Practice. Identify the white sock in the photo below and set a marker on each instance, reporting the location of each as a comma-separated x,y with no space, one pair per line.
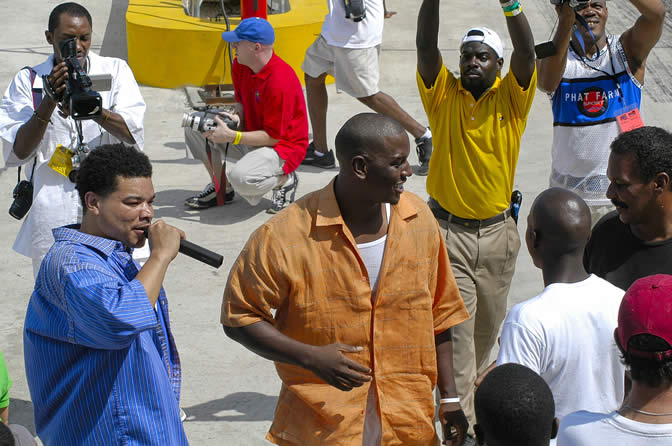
427,134
319,154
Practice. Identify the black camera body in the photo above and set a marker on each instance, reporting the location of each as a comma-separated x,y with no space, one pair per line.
83,101
572,3
355,10
23,199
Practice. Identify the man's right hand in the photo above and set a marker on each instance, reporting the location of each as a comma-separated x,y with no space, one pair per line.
331,365
58,77
164,240
565,12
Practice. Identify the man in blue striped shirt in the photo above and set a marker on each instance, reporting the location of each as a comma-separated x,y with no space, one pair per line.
101,362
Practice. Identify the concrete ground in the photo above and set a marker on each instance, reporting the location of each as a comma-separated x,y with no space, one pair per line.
229,393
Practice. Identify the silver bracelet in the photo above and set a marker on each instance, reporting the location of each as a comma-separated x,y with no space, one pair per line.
449,400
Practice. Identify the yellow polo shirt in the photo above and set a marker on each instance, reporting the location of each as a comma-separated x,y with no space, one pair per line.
476,143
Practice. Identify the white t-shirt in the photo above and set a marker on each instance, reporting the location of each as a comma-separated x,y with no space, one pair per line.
566,335
587,429
55,199
346,33
372,254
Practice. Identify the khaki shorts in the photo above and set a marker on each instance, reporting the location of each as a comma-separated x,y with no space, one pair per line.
356,70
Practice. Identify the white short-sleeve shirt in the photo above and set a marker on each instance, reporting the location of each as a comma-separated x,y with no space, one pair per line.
587,428
346,33
566,335
55,199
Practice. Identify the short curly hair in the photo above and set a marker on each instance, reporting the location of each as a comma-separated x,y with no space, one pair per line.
99,171
648,371
514,405
651,147
71,9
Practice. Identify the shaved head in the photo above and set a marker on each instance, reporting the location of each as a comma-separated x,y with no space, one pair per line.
364,134
561,221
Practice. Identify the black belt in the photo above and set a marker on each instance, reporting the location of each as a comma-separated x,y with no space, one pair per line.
442,214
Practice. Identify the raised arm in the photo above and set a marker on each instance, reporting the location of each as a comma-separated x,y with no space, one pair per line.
522,59
329,362
640,39
427,42
552,68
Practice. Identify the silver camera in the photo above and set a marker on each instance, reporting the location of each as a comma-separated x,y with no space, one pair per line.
203,121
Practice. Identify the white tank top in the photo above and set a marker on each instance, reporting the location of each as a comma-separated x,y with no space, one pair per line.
585,107
372,254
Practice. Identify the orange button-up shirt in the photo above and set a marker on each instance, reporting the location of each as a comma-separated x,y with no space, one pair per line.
304,263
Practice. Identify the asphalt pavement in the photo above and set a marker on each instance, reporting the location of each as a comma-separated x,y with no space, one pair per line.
229,393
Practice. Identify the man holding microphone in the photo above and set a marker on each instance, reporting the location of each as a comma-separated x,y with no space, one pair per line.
101,362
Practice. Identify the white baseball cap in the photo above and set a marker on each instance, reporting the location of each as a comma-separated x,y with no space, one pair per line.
487,36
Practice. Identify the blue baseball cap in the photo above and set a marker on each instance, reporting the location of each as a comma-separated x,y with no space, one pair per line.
252,29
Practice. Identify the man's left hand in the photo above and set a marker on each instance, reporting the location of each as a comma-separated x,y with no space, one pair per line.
221,134
454,424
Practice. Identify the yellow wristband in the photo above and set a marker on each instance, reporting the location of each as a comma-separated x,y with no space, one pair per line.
513,13
239,136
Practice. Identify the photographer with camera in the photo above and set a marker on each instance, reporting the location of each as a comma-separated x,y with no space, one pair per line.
348,48
48,142
269,127
594,81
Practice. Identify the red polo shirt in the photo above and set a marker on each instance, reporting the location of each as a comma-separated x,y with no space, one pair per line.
273,101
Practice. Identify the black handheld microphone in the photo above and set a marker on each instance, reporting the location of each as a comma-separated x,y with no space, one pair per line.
197,252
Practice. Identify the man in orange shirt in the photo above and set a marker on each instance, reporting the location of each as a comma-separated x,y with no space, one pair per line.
365,299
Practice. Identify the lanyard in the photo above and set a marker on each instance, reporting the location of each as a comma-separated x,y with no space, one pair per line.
611,75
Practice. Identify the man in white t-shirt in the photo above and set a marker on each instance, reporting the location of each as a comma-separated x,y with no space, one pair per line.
644,336
565,333
348,49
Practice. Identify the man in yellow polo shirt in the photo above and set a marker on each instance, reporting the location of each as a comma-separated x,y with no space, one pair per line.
477,121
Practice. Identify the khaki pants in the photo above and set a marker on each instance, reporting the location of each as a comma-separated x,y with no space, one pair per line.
483,261
257,171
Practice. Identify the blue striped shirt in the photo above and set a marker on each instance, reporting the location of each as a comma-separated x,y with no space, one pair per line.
102,367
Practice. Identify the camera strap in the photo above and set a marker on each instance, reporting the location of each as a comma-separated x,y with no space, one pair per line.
37,100
220,183
579,37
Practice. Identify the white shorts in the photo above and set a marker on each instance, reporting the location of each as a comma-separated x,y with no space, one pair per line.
356,70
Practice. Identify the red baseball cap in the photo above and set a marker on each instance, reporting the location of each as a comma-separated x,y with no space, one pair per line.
647,309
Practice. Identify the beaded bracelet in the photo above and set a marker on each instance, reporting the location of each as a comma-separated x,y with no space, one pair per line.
42,120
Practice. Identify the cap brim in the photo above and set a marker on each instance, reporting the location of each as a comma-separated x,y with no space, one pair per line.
230,36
